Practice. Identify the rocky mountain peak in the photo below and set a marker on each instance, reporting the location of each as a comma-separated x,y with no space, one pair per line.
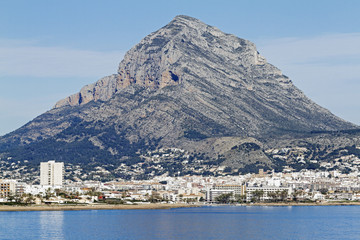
186,86
161,58
206,68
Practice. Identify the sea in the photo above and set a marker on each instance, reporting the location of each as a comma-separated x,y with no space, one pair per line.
211,222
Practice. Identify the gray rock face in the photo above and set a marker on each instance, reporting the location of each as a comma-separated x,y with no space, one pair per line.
183,85
217,72
160,59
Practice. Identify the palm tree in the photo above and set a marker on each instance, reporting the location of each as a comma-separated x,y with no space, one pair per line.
258,194
273,196
240,198
295,195
223,198
10,197
283,195
155,197
40,197
57,191
48,194
29,198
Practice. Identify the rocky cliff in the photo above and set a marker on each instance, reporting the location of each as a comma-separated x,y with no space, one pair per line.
187,85
216,72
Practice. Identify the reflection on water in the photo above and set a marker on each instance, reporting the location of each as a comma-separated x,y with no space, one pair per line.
51,225
224,222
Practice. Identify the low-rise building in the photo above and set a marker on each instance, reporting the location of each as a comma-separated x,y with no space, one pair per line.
265,192
7,188
212,194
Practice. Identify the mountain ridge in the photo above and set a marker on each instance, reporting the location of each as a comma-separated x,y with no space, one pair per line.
129,74
187,85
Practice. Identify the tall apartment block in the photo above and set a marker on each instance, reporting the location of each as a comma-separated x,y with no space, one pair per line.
51,173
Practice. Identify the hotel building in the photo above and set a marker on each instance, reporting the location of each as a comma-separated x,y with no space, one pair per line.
52,173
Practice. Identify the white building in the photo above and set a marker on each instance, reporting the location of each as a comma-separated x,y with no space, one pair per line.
212,194
265,192
238,189
7,188
51,173
220,189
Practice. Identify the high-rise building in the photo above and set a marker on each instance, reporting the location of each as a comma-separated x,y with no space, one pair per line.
52,173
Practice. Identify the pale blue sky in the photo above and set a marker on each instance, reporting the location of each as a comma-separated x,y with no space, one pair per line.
50,49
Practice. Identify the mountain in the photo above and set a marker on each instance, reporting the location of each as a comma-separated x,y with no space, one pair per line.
187,86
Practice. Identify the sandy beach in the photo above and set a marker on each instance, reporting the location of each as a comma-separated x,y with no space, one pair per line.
91,207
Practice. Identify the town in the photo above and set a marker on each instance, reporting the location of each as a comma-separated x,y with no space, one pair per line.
265,186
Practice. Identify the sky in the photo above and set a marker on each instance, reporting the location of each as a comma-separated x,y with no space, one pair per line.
51,49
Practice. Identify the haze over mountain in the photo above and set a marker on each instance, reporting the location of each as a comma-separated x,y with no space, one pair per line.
188,86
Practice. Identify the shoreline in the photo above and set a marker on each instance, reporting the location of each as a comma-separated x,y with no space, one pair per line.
289,204
154,206
150,206
307,204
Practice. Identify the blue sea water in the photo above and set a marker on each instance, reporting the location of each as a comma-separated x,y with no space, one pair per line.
223,222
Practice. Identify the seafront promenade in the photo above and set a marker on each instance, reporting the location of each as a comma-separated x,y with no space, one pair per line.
92,207
60,207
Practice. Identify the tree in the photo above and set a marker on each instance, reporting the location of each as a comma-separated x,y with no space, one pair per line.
240,198
189,200
224,198
283,195
10,197
28,198
273,196
295,195
57,191
258,194
48,194
323,190
39,196
17,198
92,192
154,197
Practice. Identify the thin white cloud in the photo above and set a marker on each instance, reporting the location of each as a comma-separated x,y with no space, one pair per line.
326,68
15,113
23,58
303,50
27,60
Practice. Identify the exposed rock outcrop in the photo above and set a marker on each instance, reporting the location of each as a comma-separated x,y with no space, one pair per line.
160,59
187,85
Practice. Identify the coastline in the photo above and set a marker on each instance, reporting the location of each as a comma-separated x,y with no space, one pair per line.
287,204
154,206
306,204
93,207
